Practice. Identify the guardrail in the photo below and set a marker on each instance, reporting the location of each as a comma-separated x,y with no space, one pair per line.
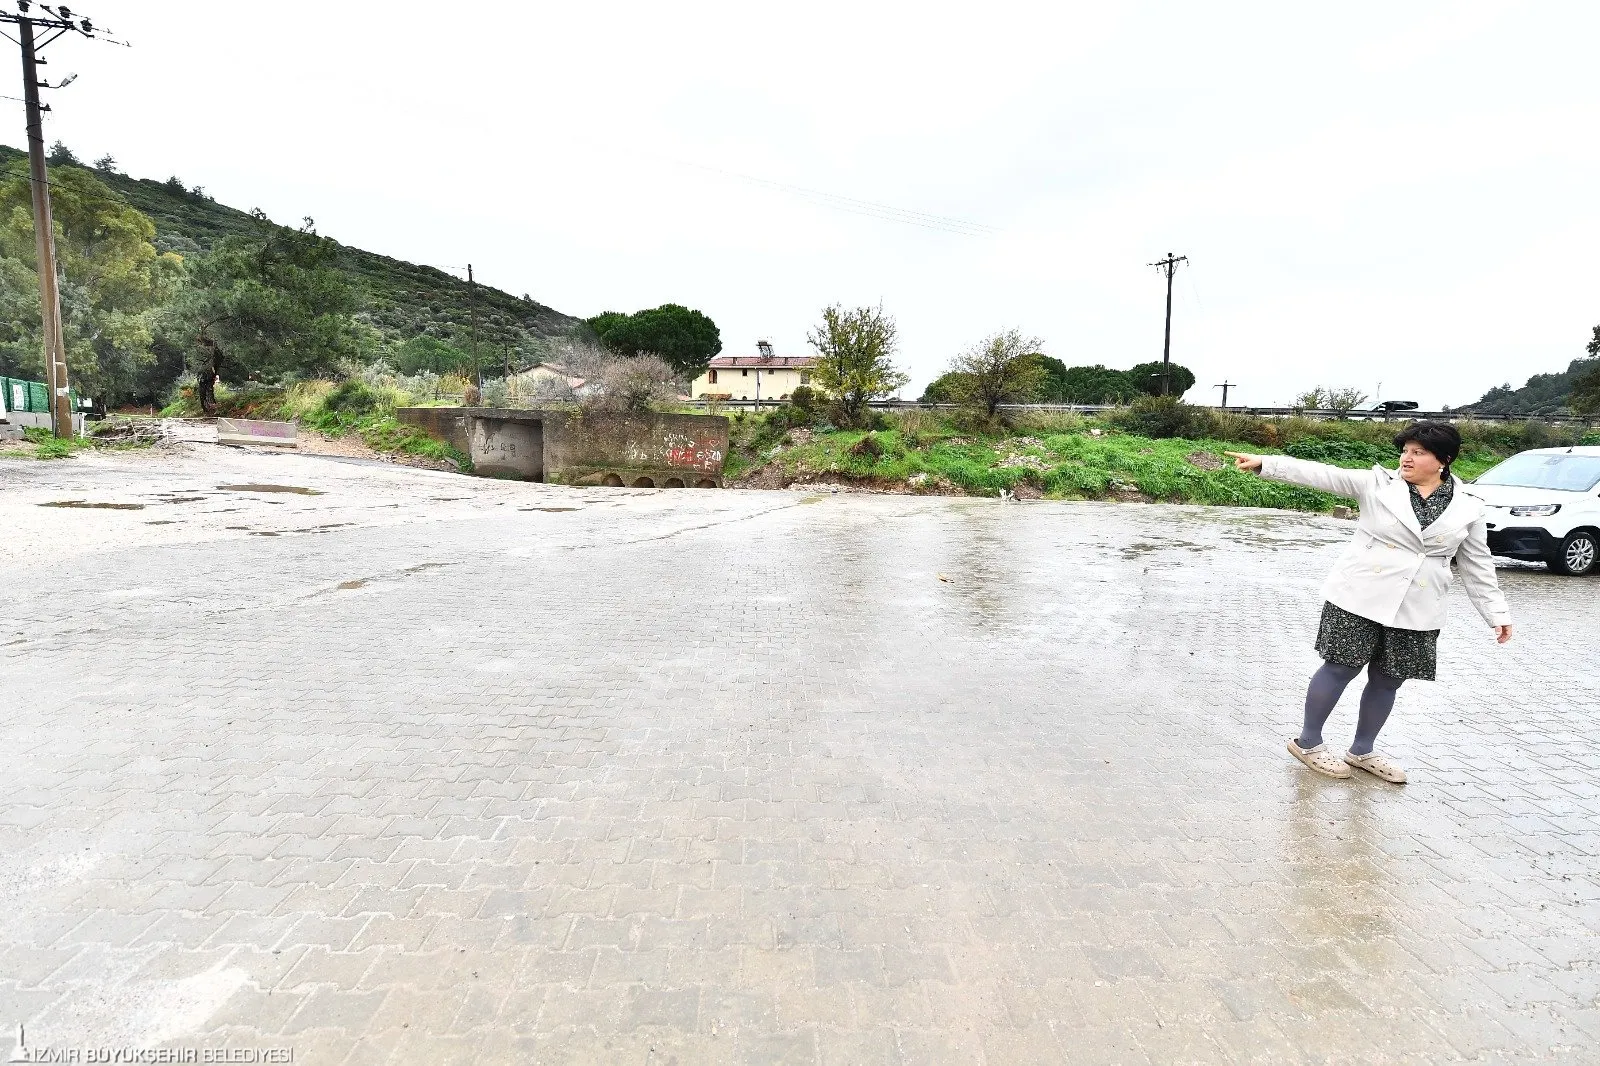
1260,412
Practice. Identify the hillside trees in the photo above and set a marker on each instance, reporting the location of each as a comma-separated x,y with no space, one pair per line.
113,284
855,364
265,306
685,339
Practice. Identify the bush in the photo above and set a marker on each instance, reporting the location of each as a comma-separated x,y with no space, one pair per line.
353,397
868,447
1340,452
1159,417
807,400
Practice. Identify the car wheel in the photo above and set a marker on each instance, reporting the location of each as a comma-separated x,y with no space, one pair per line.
1578,555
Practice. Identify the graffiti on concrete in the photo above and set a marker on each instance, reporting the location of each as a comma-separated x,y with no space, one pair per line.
679,450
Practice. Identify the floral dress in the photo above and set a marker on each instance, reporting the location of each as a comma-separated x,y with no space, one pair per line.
1350,640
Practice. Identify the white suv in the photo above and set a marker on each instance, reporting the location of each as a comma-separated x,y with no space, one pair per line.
1545,505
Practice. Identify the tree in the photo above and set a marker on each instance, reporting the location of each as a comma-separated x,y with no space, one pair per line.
61,156
855,364
106,164
1002,368
1329,398
1096,385
1585,398
685,339
1052,379
425,353
1148,377
113,282
267,306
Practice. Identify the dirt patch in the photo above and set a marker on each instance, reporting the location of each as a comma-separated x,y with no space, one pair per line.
1024,491
353,584
297,489
86,505
353,447
1205,461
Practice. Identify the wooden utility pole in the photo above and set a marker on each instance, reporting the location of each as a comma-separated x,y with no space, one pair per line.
57,23
1225,386
44,239
472,313
1168,266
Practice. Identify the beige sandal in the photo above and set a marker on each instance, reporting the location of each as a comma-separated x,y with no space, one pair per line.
1377,766
1320,759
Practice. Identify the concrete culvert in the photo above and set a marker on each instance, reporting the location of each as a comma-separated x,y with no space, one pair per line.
613,480
705,483
672,483
644,483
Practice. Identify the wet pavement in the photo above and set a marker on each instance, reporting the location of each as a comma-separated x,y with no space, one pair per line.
422,768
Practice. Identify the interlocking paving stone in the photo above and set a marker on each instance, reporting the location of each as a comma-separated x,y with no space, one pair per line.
756,778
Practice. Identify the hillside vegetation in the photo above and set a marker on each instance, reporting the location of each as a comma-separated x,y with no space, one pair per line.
400,301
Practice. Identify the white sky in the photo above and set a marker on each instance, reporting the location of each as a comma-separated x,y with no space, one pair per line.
1397,192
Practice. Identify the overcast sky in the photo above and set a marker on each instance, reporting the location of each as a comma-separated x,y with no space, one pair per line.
1395,192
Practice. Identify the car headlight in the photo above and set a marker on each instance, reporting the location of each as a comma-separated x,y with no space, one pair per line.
1536,510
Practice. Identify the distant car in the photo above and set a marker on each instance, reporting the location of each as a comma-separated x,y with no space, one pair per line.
1544,506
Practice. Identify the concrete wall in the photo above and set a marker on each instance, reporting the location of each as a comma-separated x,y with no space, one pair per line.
446,423
37,420
663,451
506,447
596,449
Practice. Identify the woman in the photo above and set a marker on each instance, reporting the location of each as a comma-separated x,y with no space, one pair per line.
1386,595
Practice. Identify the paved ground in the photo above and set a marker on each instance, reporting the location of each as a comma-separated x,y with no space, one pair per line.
432,769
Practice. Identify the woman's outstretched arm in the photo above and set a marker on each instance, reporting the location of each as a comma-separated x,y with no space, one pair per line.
1334,479
1479,580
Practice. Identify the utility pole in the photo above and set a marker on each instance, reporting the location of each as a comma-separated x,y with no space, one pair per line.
58,23
1225,386
1168,266
472,313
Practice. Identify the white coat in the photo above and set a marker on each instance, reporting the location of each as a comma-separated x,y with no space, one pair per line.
1395,572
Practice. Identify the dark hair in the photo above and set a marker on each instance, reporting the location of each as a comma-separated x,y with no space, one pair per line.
1440,438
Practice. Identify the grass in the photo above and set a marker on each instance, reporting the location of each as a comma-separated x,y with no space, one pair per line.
1056,456
335,410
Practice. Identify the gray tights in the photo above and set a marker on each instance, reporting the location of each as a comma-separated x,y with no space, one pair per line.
1328,684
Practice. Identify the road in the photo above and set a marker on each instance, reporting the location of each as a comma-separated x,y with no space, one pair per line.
390,765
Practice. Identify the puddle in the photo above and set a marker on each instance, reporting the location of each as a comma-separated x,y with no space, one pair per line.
549,508
266,533
86,505
184,499
425,566
322,529
162,522
270,488
353,584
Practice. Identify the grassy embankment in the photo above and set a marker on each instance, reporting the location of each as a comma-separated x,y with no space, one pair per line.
1074,457
351,408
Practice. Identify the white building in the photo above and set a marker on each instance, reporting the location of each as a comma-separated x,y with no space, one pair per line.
753,377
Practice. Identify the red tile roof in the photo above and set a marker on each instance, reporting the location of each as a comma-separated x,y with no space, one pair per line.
765,362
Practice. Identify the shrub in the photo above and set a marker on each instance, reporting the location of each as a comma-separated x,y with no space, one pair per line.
353,397
1159,417
807,400
868,447
1340,452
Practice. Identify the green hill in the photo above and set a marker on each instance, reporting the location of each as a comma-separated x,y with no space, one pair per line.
1543,394
403,300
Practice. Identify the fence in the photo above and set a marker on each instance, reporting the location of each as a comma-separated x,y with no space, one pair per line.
24,397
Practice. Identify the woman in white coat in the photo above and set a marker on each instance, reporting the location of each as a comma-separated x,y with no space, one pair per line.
1386,594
